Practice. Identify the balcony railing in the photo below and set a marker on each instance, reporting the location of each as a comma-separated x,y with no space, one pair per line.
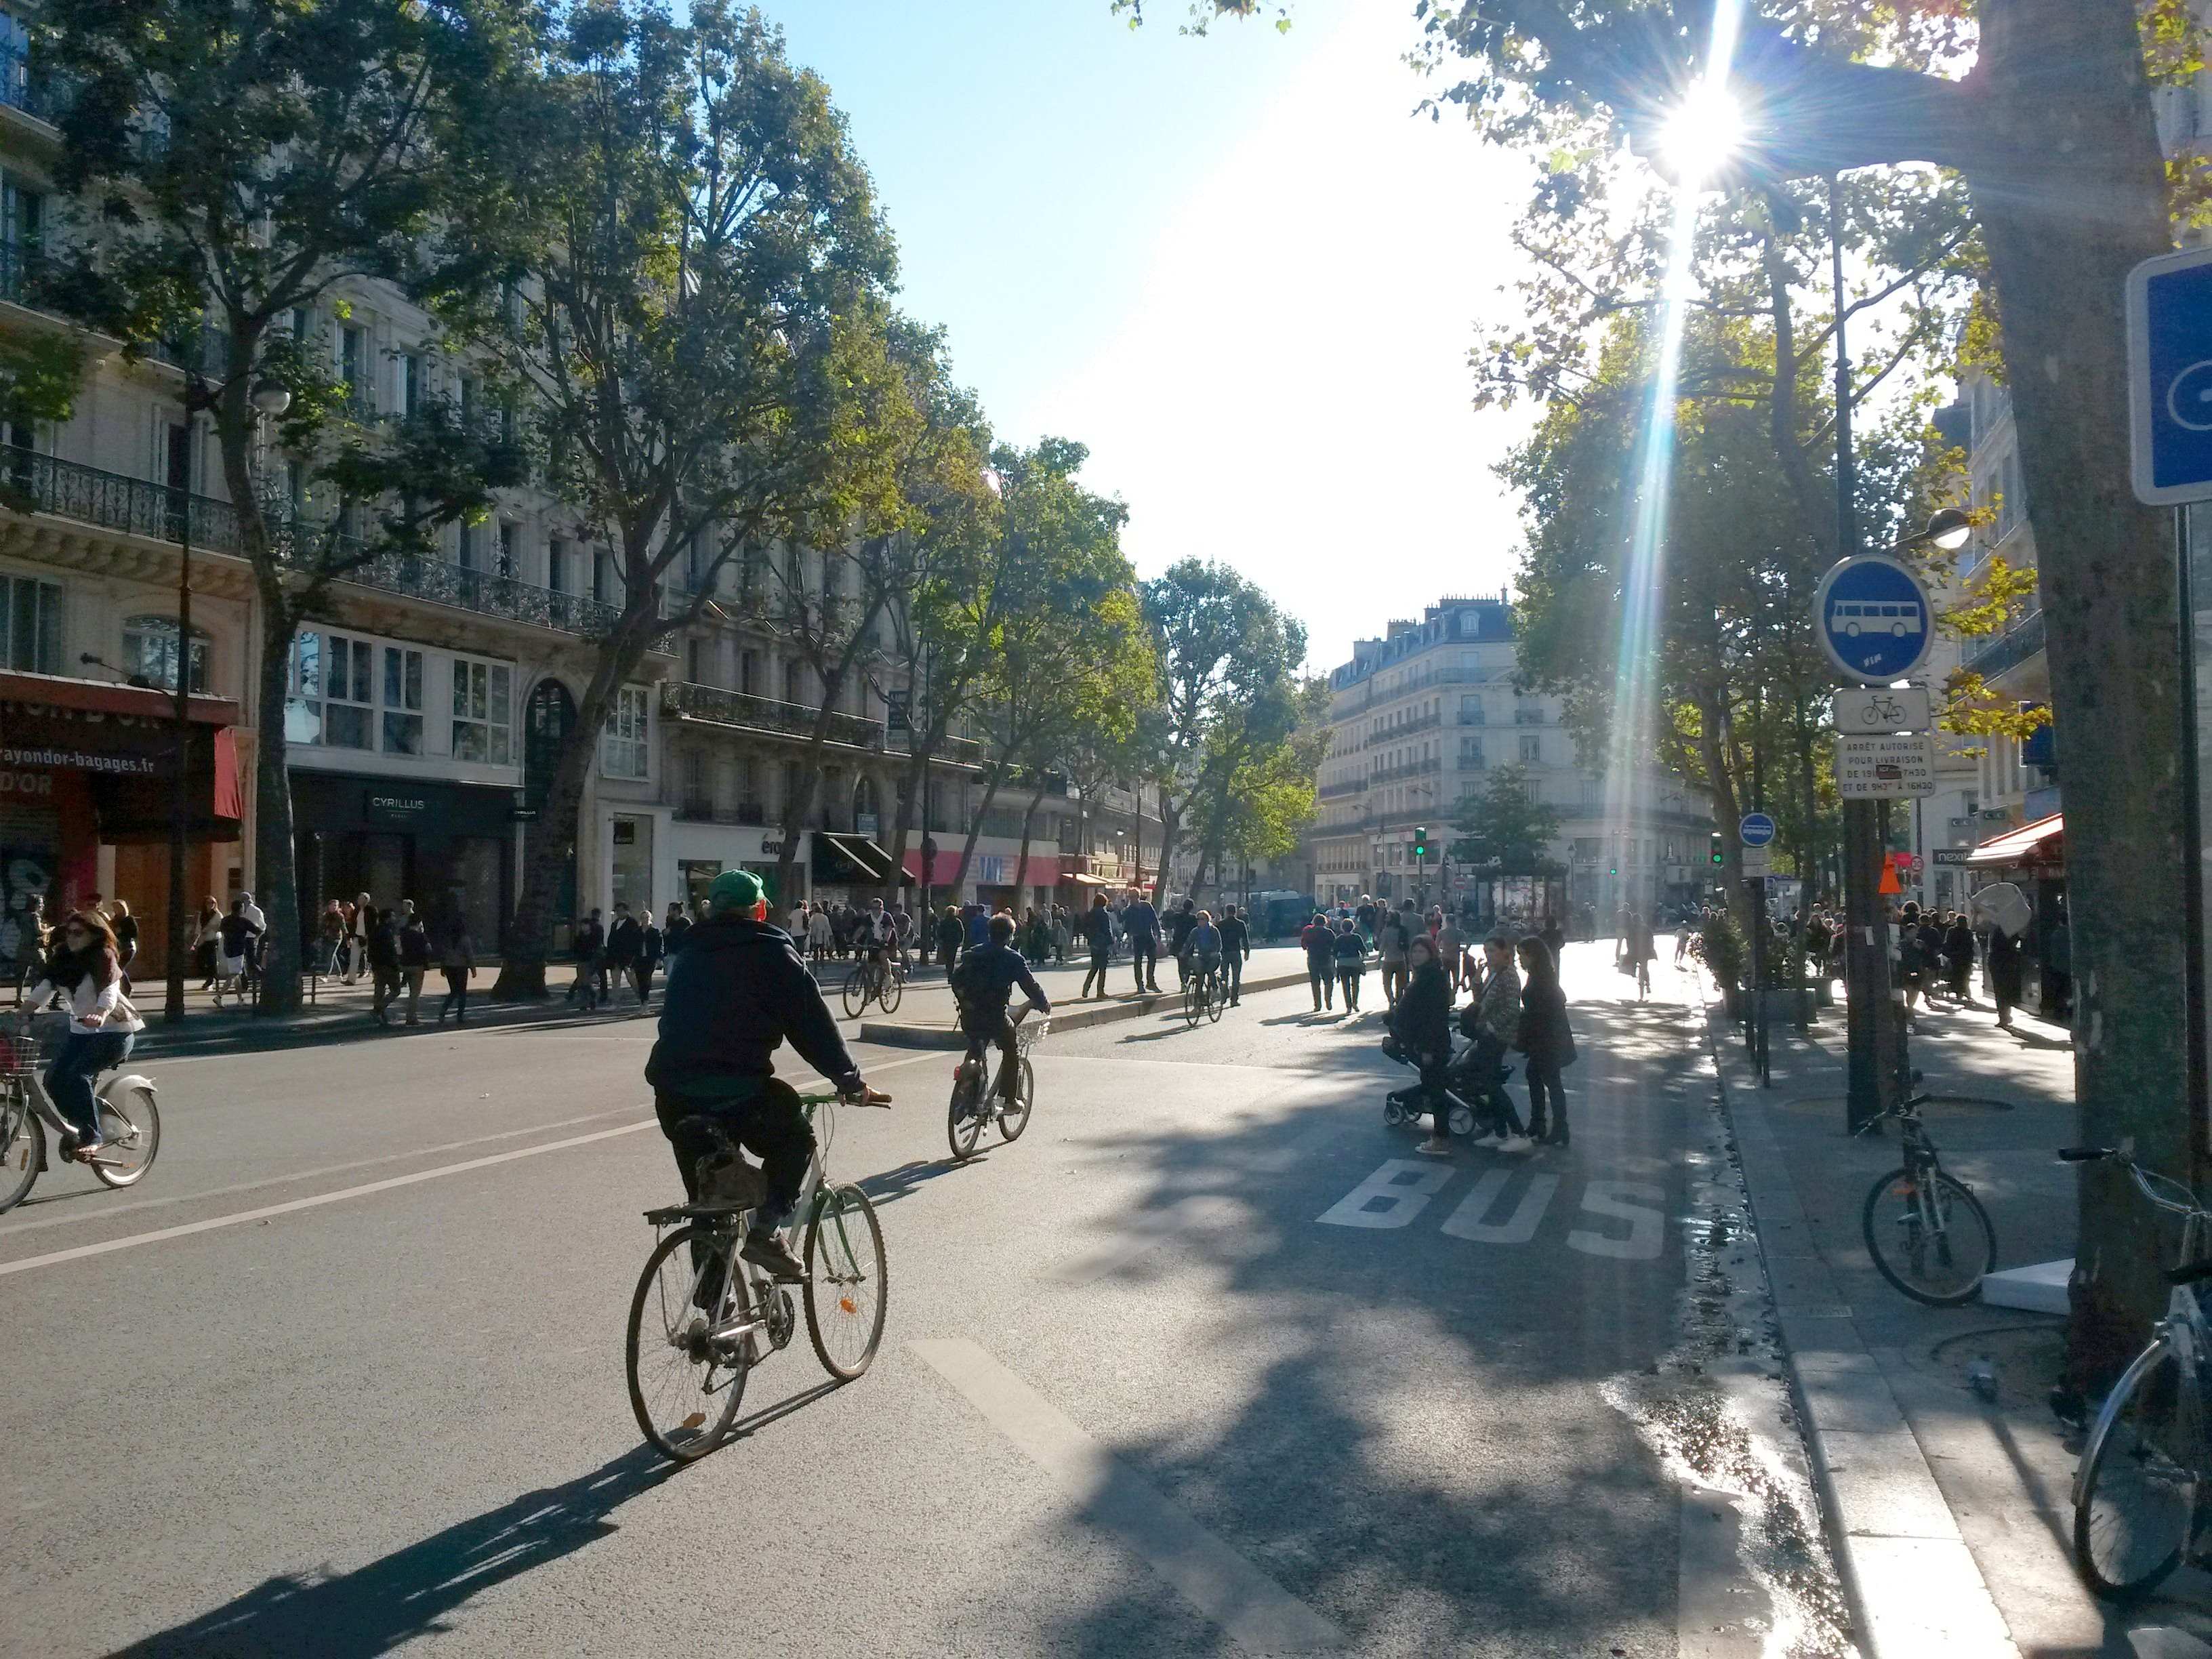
1331,790
795,720
2008,650
1407,728
1410,770
32,482
22,88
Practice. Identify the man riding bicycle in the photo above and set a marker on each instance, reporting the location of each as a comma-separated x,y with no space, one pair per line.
984,982
873,935
736,990
1202,947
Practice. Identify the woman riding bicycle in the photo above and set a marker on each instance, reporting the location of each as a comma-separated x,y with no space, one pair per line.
1201,947
102,1022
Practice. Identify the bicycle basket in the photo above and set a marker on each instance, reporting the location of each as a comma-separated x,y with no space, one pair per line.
19,1056
1029,1033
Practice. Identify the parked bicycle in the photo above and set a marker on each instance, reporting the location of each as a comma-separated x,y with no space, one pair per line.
1927,1232
129,1119
703,1317
2146,1468
976,1096
883,982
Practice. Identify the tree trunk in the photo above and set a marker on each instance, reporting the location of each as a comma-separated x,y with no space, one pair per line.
975,828
1170,825
2086,201
1720,776
1029,824
913,795
275,875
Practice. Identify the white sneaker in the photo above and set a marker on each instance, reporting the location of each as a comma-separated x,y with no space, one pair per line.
1434,1147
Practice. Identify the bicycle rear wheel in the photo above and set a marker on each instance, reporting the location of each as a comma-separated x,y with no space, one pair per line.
1930,1238
963,1117
684,1386
2136,1495
22,1147
848,1291
132,1125
856,992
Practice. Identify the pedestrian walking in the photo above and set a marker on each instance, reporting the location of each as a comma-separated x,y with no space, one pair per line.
1421,1023
1366,915
1236,950
1351,953
673,930
1640,948
1098,934
259,943
1546,1039
205,935
359,915
625,940
414,960
821,935
1493,1020
457,960
652,946
238,935
330,941
589,941
951,936
1959,955
1451,949
124,927
2007,971
383,964
1555,940
1142,923
1318,941
1394,939
1063,933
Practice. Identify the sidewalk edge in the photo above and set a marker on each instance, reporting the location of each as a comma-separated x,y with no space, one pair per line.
1899,1614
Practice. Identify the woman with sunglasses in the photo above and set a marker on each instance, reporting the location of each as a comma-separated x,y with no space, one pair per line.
86,968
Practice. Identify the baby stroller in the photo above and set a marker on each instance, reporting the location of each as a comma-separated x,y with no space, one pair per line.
1476,1093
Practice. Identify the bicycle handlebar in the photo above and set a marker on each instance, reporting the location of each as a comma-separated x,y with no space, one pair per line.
2086,1154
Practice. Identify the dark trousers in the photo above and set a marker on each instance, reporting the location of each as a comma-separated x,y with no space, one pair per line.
385,982
1010,1069
457,994
772,1125
642,977
1349,978
1320,973
1543,1082
83,1056
1144,957
1236,966
1096,970
1433,1090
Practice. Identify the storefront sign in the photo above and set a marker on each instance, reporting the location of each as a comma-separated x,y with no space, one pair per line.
394,806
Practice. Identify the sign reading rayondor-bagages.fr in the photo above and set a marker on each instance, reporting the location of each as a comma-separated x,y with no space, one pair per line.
1885,768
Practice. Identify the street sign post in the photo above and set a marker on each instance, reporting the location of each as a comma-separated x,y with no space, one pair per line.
1872,618
1881,710
1758,862
1756,829
1885,768
2169,302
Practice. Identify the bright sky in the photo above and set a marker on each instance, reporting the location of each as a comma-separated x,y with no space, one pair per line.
1238,268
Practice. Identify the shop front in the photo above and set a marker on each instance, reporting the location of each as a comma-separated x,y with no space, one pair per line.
700,852
848,869
2033,858
439,843
85,765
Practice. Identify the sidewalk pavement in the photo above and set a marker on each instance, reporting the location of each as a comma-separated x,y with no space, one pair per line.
1952,1518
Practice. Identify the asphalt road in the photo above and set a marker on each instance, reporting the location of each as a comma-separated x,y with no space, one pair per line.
1208,1362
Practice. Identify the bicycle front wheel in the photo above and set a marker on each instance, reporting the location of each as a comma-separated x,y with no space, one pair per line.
132,1125
2135,1498
1013,1119
685,1385
23,1148
856,992
963,1118
1929,1236
1217,999
894,988
1193,1004
846,1289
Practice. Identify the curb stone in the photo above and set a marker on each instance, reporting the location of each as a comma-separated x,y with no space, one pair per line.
1912,1583
1076,1018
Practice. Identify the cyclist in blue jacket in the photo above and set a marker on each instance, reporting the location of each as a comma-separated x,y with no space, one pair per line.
984,982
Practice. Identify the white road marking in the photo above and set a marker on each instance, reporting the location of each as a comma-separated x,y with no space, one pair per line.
1251,1606
1401,1186
1467,1221
239,1219
1647,1228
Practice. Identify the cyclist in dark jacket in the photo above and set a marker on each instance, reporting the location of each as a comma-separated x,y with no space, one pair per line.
984,983
1179,926
736,992
1235,947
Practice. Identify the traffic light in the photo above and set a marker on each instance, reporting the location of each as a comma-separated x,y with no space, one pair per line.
1714,842
1420,843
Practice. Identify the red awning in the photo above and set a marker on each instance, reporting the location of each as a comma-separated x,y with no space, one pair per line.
2041,843
104,698
122,744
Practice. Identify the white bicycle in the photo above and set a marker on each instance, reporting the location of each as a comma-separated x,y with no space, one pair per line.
129,1122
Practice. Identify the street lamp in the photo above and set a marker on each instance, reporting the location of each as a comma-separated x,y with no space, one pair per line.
1947,528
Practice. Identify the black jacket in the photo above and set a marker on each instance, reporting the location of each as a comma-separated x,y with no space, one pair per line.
1544,1037
415,944
591,940
736,990
384,947
1236,938
951,934
626,941
1098,928
674,932
1179,926
1422,1019
651,948
984,982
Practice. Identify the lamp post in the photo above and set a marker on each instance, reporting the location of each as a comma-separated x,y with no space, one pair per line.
270,398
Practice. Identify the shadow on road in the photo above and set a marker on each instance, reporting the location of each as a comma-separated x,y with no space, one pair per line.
889,1185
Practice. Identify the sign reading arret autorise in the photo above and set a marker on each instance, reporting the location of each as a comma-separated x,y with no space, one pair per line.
1872,618
1885,768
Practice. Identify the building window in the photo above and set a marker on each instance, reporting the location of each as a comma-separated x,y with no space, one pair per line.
691,661
407,382
353,364
1586,849
1593,792
483,712
602,577
470,553
1470,709
150,653
623,750
697,796
403,701
793,683
749,672
557,565
34,624
1532,749
1470,755
1526,713
510,546
333,695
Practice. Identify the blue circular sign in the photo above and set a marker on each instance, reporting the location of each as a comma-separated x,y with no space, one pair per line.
1757,830
1873,618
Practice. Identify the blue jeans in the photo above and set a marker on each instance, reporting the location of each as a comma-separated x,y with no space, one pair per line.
84,1055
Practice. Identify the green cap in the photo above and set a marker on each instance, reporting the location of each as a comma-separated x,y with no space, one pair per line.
733,889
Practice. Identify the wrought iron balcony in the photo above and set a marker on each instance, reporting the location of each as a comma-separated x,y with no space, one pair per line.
1331,790
791,720
31,482
23,88
2009,649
